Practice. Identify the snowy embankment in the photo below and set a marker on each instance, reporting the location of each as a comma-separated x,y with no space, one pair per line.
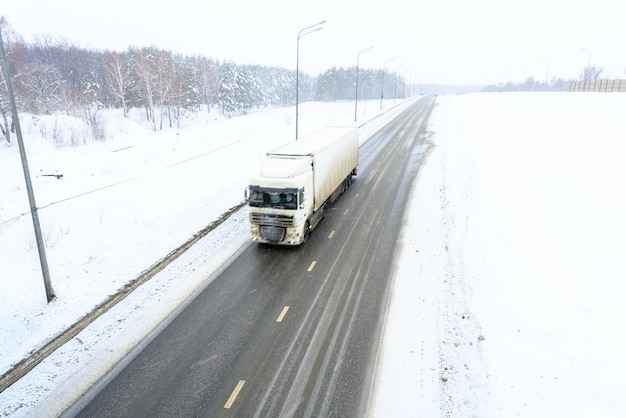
508,294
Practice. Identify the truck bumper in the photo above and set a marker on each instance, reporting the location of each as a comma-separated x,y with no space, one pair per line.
275,235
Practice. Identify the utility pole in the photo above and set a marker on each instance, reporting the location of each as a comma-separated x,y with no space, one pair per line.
29,186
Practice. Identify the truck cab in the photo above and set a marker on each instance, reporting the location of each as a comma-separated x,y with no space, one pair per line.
280,200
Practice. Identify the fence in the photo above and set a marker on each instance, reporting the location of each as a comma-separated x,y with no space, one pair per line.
599,85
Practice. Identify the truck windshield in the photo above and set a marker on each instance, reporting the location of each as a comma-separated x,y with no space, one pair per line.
277,199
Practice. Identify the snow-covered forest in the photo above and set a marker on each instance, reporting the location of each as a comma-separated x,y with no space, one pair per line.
57,77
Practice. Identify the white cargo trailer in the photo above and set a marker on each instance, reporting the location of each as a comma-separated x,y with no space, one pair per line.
289,196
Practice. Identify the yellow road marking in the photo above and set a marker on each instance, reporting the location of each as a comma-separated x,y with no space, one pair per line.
233,395
312,266
346,211
282,314
356,195
332,234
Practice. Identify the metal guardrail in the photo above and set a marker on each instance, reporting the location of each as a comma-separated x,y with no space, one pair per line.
20,369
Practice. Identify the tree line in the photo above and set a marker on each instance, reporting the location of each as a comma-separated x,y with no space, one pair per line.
50,77
589,74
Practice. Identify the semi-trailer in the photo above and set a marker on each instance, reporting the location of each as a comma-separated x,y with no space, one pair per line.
298,181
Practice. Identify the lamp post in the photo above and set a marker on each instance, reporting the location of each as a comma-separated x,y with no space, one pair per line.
304,31
404,82
356,92
411,84
382,81
395,87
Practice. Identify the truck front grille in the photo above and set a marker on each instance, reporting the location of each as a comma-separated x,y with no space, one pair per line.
267,219
272,233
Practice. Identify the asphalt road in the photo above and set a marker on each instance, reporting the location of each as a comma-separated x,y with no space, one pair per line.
286,331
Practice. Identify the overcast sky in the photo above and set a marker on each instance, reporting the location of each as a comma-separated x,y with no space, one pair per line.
439,41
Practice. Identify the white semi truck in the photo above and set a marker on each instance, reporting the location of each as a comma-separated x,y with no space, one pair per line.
297,182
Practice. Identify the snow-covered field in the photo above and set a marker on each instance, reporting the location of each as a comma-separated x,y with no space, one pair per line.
508,300
506,290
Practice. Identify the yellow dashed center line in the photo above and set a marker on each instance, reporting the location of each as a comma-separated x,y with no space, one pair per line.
332,234
346,211
282,314
233,395
312,266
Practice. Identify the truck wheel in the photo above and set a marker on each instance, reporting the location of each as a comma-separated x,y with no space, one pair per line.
307,232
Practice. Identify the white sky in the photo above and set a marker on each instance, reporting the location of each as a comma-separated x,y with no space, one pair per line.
440,41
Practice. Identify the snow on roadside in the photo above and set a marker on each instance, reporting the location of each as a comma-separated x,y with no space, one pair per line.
430,329
407,381
513,263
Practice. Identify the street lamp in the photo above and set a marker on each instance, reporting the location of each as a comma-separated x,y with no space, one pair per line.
305,31
382,81
395,87
404,83
356,92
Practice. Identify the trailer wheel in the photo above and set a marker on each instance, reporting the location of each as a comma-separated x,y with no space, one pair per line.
348,182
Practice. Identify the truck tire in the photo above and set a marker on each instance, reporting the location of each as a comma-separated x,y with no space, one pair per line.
307,232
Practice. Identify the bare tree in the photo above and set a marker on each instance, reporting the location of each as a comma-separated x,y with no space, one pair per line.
591,73
42,83
14,48
145,72
5,106
118,78
207,82
166,80
183,95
